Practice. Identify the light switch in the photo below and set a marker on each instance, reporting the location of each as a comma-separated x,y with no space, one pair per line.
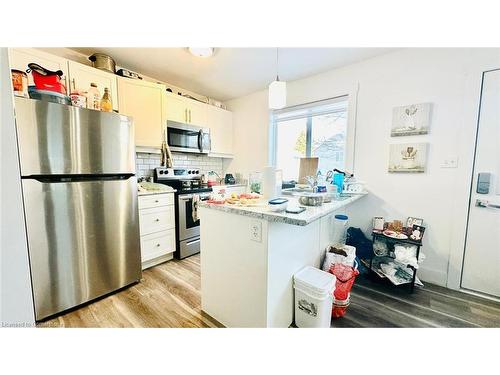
256,231
450,162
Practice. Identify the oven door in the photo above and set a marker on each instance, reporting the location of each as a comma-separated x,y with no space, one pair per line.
188,227
186,138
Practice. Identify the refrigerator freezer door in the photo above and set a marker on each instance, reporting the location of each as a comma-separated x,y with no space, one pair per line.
61,139
83,240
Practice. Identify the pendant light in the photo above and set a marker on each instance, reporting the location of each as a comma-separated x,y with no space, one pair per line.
277,90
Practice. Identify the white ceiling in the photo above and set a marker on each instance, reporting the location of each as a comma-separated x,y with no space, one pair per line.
233,72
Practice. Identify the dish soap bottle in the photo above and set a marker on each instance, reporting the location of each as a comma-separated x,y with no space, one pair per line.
106,104
93,97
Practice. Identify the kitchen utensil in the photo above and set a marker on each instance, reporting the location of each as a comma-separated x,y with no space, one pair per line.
46,79
278,204
19,83
307,167
103,62
49,96
129,74
311,199
393,234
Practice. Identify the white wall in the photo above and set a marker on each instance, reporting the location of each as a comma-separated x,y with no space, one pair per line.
251,135
448,78
16,299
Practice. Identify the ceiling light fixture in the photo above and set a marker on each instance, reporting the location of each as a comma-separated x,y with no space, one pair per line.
201,51
277,90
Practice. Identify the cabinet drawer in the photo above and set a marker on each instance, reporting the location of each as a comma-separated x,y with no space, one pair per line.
155,200
157,244
153,220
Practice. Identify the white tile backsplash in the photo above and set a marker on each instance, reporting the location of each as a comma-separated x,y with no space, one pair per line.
146,163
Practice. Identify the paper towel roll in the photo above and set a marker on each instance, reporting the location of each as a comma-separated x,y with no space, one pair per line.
271,182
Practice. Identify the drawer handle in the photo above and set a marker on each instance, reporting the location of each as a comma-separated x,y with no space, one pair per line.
157,245
157,219
156,201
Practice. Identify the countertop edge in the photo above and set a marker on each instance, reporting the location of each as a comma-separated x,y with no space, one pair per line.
143,193
279,217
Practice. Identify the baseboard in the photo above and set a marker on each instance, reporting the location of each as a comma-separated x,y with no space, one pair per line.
432,276
156,261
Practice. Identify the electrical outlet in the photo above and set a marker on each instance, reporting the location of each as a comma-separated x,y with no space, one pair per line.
450,162
256,231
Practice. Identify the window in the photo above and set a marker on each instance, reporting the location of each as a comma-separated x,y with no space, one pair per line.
313,130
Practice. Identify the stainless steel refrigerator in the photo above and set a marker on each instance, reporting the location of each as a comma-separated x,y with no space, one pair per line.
80,202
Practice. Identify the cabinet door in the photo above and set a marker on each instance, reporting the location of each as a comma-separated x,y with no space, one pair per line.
21,57
197,113
176,108
220,123
145,102
81,76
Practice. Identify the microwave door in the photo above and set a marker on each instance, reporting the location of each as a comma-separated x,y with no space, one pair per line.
183,140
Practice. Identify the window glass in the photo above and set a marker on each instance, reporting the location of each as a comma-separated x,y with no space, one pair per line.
312,130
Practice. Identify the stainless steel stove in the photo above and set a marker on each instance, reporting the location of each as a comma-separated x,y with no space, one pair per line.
188,183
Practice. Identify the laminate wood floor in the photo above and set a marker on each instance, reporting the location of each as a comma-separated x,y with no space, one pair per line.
169,296
374,304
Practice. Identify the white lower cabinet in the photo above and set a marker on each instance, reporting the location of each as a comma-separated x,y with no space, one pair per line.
157,228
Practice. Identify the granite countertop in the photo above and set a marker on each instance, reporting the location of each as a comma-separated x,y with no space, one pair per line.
151,192
310,215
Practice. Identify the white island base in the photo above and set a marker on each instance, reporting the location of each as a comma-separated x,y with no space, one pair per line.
247,277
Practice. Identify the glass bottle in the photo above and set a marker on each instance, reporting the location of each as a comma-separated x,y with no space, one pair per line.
106,104
93,97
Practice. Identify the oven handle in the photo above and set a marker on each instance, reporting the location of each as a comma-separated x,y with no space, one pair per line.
203,197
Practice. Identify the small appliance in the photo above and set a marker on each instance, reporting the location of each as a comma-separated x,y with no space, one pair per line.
47,79
188,138
229,179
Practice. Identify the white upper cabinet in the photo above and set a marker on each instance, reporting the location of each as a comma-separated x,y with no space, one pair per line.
220,123
197,112
21,57
185,110
145,102
176,108
81,76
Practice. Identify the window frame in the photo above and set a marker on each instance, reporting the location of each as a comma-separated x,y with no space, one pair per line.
351,97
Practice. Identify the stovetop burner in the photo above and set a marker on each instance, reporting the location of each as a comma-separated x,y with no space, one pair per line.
185,181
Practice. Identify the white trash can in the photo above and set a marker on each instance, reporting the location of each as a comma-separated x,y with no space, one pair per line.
313,298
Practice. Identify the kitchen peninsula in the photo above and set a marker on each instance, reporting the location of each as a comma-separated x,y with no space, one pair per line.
249,256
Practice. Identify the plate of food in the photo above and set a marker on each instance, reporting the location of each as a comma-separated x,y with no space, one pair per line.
245,200
396,235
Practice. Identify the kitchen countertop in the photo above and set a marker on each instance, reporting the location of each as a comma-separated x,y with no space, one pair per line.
310,215
151,192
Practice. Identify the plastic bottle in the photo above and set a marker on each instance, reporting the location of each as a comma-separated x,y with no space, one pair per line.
106,104
340,225
93,97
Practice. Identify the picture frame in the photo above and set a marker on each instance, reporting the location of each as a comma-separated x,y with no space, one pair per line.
413,119
417,233
410,221
408,157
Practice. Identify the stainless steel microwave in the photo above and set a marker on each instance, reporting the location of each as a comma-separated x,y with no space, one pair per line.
188,138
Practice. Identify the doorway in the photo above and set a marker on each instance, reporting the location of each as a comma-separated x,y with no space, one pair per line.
481,262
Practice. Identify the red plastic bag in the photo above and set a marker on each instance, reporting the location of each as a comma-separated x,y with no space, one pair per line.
345,279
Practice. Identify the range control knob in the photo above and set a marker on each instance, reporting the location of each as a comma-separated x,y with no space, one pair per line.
189,172
160,172
166,171
197,172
